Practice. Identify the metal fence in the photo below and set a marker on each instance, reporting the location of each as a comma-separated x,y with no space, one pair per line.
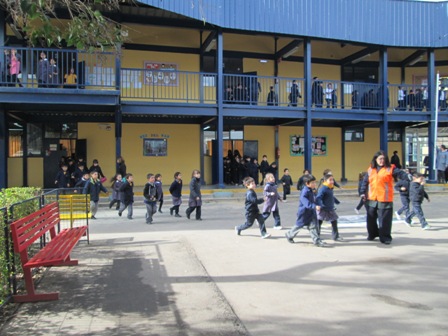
56,68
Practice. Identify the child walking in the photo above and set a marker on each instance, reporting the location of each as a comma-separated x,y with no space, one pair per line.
361,200
403,187
93,188
287,183
271,197
306,214
416,194
158,184
150,195
252,211
325,206
195,200
127,190
116,193
176,194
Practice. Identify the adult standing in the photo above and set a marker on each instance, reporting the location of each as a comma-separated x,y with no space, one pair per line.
395,160
121,166
441,163
377,190
295,94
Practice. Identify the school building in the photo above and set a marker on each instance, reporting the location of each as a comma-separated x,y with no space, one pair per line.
311,84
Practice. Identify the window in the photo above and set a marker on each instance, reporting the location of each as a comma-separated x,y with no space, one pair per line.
354,135
34,139
15,140
394,135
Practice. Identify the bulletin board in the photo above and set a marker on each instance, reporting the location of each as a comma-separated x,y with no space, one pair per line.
297,145
162,74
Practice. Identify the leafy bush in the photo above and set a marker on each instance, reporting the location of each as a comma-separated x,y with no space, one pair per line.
8,197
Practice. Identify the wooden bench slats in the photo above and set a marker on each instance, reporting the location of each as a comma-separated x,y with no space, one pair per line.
58,249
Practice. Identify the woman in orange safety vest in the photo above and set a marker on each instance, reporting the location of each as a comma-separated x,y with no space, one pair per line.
377,190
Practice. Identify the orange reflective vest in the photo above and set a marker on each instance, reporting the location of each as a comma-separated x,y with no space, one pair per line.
381,187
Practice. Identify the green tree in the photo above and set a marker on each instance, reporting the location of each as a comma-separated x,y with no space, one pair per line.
86,29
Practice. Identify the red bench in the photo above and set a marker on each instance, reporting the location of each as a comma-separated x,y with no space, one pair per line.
25,231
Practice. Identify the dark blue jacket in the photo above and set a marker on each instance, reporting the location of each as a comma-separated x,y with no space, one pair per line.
127,190
251,203
325,198
176,188
403,183
63,179
417,192
150,193
93,189
307,207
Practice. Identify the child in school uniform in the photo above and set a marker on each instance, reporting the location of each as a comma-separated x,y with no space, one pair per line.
325,206
116,193
79,186
286,182
306,214
361,200
93,187
403,187
63,178
158,184
252,211
150,195
271,197
195,200
416,194
176,194
127,190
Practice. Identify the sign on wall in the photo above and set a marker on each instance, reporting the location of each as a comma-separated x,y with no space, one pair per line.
155,147
318,145
164,74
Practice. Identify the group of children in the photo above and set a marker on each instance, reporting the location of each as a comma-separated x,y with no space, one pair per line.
123,195
313,209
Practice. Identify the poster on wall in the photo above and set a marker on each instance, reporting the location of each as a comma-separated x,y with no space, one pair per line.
297,145
155,147
164,74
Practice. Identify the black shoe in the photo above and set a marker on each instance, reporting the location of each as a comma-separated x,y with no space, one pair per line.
289,239
119,213
188,214
386,242
171,211
370,238
93,217
160,211
110,206
117,208
177,215
199,219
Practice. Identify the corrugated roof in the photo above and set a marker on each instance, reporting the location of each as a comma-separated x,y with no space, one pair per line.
385,22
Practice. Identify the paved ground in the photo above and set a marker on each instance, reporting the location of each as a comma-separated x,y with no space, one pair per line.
188,277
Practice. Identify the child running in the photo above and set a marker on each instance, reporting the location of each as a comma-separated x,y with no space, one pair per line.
361,200
252,211
195,200
325,206
271,197
93,187
116,193
176,194
416,194
150,195
127,191
306,215
403,187
158,184
287,183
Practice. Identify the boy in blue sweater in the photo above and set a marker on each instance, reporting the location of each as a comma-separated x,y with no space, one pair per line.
416,194
252,211
403,187
306,215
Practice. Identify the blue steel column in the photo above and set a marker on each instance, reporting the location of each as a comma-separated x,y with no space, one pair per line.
307,126
3,123
431,103
220,96
384,129
118,131
3,150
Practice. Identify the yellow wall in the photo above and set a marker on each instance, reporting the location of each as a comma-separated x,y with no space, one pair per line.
36,172
15,175
183,149
359,154
265,135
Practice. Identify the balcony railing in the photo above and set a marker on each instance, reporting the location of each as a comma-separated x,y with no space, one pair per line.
56,68
73,69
